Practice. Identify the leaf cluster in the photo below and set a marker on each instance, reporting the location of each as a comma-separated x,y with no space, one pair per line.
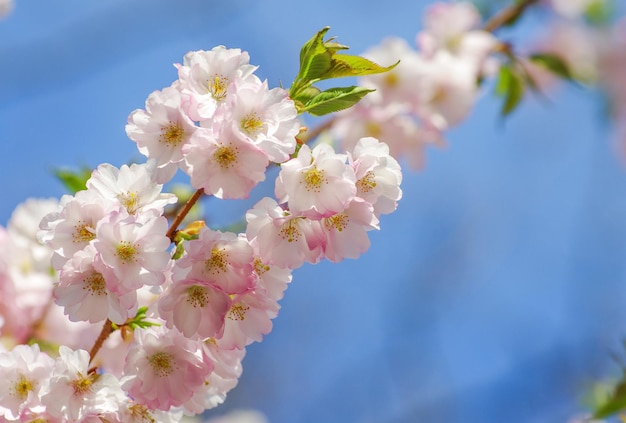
321,60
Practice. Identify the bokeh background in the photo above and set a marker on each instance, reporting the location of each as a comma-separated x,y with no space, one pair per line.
496,292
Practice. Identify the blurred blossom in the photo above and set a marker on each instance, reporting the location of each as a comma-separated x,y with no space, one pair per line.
240,416
6,7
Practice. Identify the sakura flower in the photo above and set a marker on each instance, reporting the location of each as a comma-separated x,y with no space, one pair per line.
24,371
6,7
272,280
135,248
221,258
132,187
86,296
248,319
346,231
317,183
281,238
268,118
23,227
164,369
73,227
208,75
195,308
225,165
74,393
400,131
454,27
161,130
378,175
402,84
224,377
139,413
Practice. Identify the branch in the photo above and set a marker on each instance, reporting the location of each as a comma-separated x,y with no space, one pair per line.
107,329
171,232
507,15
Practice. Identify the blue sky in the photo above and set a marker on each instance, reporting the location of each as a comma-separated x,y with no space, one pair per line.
494,293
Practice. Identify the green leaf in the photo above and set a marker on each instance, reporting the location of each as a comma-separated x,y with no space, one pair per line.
335,99
510,85
553,63
314,57
344,65
615,403
74,181
304,96
599,13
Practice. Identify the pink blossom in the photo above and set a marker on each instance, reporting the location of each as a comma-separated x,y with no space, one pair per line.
272,279
209,75
133,187
346,232
164,369
281,238
248,319
196,308
224,377
86,296
73,227
221,258
74,393
162,129
23,371
267,118
317,183
135,248
378,175
224,163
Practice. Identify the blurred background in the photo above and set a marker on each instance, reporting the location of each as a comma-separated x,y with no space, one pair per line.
496,292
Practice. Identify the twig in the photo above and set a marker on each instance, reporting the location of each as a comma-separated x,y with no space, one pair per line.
107,329
507,15
183,213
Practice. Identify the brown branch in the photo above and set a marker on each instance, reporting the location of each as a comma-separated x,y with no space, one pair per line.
107,330
507,15
171,232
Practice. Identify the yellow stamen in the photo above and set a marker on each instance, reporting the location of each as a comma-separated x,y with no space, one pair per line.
218,262
197,296
238,312
339,221
83,233
217,87
126,252
367,182
251,124
172,135
314,179
225,156
162,364
95,284
130,201
21,388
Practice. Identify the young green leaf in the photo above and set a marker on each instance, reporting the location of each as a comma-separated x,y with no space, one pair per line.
74,181
510,85
553,63
335,99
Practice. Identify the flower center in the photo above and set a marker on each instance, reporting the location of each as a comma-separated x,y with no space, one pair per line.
225,156
95,284
367,182
260,267
197,296
141,413
290,232
314,179
172,135
130,201
238,311
217,87
21,388
82,384
83,233
162,364
251,124
218,262
339,221
126,252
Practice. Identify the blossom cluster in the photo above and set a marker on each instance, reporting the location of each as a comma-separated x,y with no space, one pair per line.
186,312
433,88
